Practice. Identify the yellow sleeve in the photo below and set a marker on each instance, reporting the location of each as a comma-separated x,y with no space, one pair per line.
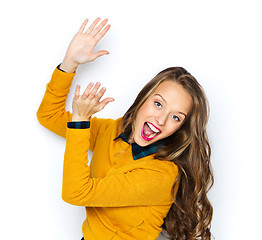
51,113
143,185
97,127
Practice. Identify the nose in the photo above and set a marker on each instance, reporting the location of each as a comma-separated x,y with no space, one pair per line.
161,119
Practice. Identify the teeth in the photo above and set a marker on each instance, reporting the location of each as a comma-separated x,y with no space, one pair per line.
153,128
152,135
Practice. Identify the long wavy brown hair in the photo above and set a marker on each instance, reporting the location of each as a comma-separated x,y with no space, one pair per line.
190,215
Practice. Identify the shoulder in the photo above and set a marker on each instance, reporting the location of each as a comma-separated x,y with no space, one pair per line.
167,169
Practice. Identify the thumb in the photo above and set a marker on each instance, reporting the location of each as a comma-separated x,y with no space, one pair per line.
105,102
100,53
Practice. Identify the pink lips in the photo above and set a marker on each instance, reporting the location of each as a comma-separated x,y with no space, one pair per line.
146,138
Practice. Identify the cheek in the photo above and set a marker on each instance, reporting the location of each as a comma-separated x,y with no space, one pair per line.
145,108
172,128
139,120
143,112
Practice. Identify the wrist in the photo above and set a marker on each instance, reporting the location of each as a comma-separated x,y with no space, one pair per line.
76,118
68,65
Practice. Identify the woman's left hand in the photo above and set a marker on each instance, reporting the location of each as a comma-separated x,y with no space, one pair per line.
89,103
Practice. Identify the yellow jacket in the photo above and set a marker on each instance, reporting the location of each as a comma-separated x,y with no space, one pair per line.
124,198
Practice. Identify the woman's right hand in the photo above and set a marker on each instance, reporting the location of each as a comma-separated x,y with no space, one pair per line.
81,48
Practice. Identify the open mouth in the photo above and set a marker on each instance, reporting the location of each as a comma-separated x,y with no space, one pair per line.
149,131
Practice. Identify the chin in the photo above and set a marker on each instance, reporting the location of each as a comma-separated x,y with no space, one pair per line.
142,143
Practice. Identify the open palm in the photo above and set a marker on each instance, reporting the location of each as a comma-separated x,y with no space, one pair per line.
81,48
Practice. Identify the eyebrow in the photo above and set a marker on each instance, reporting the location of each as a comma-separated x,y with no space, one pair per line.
160,96
166,102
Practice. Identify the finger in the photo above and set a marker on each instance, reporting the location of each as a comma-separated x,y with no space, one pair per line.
87,90
77,91
82,28
99,54
105,102
92,26
99,27
102,33
100,94
94,90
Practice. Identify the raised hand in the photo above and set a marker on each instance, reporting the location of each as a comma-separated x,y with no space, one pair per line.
81,48
89,103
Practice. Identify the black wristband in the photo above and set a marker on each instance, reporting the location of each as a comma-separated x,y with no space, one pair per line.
58,67
79,125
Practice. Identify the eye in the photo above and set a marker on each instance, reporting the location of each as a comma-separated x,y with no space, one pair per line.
176,118
158,104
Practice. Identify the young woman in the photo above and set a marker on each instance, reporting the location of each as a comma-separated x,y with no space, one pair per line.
150,169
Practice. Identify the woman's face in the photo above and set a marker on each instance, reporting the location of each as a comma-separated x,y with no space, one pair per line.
162,113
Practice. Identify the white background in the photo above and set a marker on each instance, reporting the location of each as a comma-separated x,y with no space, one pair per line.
219,42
